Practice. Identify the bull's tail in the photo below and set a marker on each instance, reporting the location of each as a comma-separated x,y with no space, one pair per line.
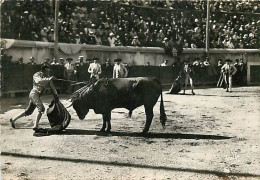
163,116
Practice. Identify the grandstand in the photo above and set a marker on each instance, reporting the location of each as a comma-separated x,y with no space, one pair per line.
233,24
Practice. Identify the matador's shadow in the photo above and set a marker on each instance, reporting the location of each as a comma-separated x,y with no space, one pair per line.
148,135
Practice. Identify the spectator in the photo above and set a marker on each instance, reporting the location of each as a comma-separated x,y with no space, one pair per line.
55,62
98,40
147,64
239,24
34,36
77,39
44,34
51,35
82,38
135,41
32,61
46,62
91,38
118,41
111,39
20,61
165,63
167,46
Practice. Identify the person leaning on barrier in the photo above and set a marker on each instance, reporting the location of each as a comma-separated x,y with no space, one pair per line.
165,63
119,70
135,41
47,61
147,64
32,61
20,61
55,62
41,80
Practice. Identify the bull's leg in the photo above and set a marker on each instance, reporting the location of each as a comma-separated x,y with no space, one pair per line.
149,118
104,124
108,116
106,119
130,113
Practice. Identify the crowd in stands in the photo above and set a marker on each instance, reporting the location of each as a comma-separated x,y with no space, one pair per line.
179,24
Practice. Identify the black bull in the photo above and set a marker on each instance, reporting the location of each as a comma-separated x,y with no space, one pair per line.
130,93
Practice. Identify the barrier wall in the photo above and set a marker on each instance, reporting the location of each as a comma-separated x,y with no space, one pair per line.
20,78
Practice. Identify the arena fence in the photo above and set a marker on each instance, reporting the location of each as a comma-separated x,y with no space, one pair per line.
17,78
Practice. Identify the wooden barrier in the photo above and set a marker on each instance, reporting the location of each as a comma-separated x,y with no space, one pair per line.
19,78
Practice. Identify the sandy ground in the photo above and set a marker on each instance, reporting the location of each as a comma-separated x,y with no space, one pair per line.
212,135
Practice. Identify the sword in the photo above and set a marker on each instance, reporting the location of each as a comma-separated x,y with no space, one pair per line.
74,82
86,82
66,80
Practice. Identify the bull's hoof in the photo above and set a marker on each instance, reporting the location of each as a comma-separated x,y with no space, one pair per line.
108,130
145,131
102,130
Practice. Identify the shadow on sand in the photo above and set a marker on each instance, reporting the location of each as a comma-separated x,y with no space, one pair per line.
132,165
148,135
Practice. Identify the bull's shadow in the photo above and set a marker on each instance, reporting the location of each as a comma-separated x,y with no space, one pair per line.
148,135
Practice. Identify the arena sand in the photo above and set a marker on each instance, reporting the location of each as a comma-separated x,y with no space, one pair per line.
212,135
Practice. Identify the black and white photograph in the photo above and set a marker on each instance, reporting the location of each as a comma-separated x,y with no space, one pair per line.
130,89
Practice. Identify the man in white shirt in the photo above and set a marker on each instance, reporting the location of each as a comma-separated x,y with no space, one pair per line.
119,70
94,70
111,39
228,71
188,74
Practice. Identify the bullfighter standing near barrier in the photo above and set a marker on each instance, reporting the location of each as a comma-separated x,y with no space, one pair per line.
228,71
41,79
119,70
188,73
94,70
69,74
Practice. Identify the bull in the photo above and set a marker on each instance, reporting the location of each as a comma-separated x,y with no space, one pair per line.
130,93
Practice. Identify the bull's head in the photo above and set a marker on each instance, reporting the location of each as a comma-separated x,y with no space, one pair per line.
80,109
83,100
